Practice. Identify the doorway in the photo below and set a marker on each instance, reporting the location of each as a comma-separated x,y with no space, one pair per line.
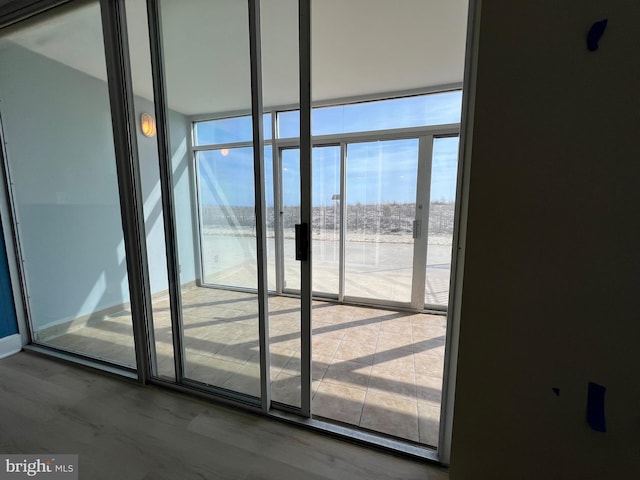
231,312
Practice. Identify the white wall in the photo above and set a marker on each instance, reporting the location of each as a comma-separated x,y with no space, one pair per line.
183,184
60,151
60,147
153,212
551,272
180,133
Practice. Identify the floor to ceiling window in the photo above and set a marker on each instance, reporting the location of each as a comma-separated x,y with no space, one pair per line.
224,167
369,224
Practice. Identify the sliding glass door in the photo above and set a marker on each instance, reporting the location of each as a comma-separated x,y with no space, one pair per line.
325,227
242,219
61,167
218,305
380,197
375,237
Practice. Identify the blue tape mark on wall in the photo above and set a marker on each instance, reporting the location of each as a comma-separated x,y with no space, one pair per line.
595,407
8,322
595,34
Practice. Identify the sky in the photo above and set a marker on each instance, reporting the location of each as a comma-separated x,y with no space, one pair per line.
376,172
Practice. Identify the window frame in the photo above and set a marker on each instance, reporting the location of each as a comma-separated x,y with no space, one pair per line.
277,144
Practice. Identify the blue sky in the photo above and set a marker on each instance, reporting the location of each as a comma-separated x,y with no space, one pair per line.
436,109
377,172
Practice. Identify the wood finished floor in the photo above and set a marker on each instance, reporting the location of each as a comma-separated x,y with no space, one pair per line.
122,430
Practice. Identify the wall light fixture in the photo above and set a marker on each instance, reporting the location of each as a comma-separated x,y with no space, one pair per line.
148,125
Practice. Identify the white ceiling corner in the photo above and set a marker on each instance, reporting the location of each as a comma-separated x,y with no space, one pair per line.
359,47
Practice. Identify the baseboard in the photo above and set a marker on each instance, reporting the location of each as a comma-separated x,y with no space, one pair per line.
164,294
10,345
68,326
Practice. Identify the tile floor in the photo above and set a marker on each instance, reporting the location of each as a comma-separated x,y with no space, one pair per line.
377,369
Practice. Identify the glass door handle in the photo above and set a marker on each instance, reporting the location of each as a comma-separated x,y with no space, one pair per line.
302,242
416,229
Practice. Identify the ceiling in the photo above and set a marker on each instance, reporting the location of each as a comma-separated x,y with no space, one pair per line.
359,47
